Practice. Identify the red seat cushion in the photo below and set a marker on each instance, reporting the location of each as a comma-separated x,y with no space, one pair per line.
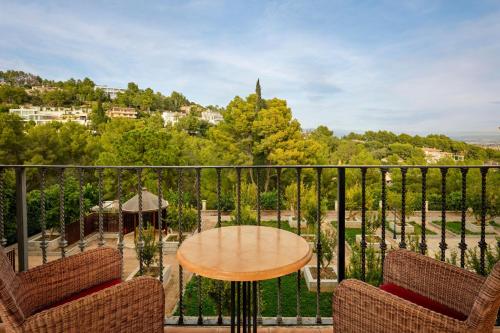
421,300
85,292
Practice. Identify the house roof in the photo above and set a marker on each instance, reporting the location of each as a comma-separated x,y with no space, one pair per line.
149,203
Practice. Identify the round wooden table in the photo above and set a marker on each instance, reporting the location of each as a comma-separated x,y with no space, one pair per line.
244,255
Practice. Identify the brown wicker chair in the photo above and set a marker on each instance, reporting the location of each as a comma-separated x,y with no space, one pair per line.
28,299
360,307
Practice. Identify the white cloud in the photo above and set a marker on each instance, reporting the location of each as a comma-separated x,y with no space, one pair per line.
433,79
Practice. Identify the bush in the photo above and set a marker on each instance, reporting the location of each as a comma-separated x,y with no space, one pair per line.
328,239
310,206
247,216
226,202
472,259
149,252
373,273
269,200
189,218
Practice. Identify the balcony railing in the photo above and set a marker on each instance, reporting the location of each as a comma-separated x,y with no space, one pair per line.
328,181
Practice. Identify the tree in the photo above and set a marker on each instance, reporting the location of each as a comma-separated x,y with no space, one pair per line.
98,115
149,252
259,103
12,139
71,204
59,143
20,78
193,125
328,239
13,95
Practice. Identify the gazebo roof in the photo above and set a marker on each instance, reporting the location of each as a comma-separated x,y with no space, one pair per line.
149,203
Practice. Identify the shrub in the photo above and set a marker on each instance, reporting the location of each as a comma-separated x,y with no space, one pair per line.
269,200
247,216
328,239
310,206
373,273
149,252
189,218
226,202
473,261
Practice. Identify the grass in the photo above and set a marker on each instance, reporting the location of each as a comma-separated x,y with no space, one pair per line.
350,235
269,299
456,227
309,229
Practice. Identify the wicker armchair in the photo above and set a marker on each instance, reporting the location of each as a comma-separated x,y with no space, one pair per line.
359,307
37,300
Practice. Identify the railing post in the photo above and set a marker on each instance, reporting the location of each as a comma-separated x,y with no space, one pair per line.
341,224
21,219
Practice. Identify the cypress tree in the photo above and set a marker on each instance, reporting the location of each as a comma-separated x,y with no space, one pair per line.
259,103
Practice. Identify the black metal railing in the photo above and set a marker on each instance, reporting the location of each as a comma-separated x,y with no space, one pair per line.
174,178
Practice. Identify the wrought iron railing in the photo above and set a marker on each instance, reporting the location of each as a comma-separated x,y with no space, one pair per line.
295,173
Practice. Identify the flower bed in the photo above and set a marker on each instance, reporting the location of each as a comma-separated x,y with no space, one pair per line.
328,278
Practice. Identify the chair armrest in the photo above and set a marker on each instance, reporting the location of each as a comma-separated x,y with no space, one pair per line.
360,307
56,280
444,283
134,306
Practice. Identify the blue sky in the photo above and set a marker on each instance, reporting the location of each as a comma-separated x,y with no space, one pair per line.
407,66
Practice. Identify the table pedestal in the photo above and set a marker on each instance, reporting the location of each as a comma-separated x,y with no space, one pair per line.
244,307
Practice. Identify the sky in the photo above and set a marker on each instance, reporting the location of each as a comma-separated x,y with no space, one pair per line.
416,66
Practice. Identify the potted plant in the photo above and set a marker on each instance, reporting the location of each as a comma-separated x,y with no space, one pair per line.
327,273
149,255
372,224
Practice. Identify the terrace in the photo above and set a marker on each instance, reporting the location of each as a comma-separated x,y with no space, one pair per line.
288,305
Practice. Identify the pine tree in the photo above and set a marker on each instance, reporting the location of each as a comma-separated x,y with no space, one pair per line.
98,115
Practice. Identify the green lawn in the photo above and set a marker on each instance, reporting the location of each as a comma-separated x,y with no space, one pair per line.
309,229
456,227
269,299
350,235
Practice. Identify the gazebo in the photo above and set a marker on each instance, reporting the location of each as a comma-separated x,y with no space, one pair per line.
149,209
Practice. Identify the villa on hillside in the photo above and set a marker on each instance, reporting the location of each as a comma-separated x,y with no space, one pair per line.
46,114
212,117
171,117
111,92
432,155
122,112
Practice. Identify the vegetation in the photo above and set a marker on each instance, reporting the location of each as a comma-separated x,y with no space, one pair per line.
254,131
328,240
455,227
268,302
149,252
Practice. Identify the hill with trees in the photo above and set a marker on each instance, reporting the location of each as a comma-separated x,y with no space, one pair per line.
254,131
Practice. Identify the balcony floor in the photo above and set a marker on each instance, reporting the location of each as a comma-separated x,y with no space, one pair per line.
325,329
193,329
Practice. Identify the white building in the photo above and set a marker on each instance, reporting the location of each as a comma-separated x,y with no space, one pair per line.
43,115
212,117
111,92
433,155
122,112
171,117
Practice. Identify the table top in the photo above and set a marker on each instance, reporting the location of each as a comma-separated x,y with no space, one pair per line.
244,253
